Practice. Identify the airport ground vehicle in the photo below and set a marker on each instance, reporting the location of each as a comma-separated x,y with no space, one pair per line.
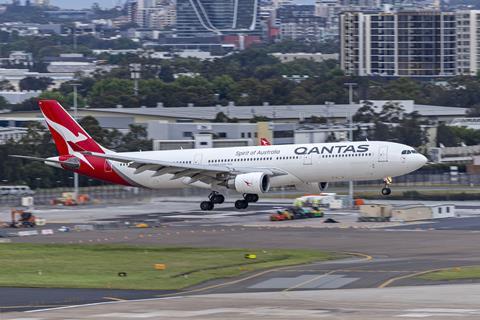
296,213
16,191
251,171
26,219
68,199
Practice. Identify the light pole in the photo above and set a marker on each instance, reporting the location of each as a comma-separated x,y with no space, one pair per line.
350,86
135,69
75,116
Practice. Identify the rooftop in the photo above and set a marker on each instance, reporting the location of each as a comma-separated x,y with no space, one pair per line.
273,112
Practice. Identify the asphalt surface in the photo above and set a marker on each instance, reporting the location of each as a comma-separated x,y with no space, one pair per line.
383,258
429,302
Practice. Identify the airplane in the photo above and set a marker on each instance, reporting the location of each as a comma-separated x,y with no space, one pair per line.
252,171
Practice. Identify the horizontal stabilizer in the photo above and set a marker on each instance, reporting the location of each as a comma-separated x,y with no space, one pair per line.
35,158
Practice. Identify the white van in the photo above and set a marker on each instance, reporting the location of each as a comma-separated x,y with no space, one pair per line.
16,191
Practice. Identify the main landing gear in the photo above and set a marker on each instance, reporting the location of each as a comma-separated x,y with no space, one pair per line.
386,189
247,198
213,199
216,198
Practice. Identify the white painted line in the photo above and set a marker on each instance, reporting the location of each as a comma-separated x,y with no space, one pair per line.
101,303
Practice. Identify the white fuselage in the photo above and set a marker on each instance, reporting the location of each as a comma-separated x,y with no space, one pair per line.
302,164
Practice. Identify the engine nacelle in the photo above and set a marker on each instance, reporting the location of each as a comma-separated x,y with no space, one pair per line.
312,187
255,183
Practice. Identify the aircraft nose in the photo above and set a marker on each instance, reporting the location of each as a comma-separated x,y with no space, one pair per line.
420,160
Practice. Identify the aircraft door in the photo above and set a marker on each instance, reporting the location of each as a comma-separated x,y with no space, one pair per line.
383,154
198,158
108,166
307,160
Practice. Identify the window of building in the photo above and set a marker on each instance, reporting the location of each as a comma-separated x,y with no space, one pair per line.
187,134
283,134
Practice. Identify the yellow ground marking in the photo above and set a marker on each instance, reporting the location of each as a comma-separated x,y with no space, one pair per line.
416,274
256,275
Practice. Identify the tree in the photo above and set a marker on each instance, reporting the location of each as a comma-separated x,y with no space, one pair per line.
4,103
108,93
35,84
136,139
5,85
92,126
410,132
365,114
392,112
166,74
446,136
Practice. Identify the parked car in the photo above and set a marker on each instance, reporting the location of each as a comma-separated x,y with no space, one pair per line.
16,191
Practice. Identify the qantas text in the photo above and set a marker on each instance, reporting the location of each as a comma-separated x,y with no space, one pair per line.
333,149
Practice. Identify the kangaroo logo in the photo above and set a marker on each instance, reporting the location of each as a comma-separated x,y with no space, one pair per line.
70,138
249,184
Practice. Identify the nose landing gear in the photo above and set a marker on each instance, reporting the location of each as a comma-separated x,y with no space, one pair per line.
386,189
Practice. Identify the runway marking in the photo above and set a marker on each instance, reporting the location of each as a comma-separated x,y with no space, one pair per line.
223,284
299,285
348,270
416,274
359,254
113,299
27,319
438,312
31,306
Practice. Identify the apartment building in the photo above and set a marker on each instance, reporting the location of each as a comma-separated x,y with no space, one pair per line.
416,43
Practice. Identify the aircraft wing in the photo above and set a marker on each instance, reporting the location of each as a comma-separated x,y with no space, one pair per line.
197,172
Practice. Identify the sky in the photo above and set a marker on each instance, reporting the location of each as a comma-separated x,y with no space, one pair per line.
81,4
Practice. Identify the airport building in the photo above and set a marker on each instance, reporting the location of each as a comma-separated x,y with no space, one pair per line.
335,113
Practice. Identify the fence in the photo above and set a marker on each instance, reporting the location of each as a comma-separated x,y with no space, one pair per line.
121,194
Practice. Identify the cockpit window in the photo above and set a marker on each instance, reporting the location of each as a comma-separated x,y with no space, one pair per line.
409,152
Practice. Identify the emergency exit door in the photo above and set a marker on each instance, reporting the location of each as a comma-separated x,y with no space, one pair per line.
383,154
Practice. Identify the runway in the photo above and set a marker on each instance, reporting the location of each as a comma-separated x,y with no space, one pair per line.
384,258
429,302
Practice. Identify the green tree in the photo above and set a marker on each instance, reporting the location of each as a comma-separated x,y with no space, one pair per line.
33,83
5,85
446,136
136,139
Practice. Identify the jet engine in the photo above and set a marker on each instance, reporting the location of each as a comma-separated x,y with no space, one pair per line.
251,183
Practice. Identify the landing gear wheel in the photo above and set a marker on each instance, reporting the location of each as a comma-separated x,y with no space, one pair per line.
218,199
386,191
250,197
206,205
241,204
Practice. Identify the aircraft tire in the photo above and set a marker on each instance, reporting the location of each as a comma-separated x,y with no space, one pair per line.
206,205
251,197
241,204
218,199
386,191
